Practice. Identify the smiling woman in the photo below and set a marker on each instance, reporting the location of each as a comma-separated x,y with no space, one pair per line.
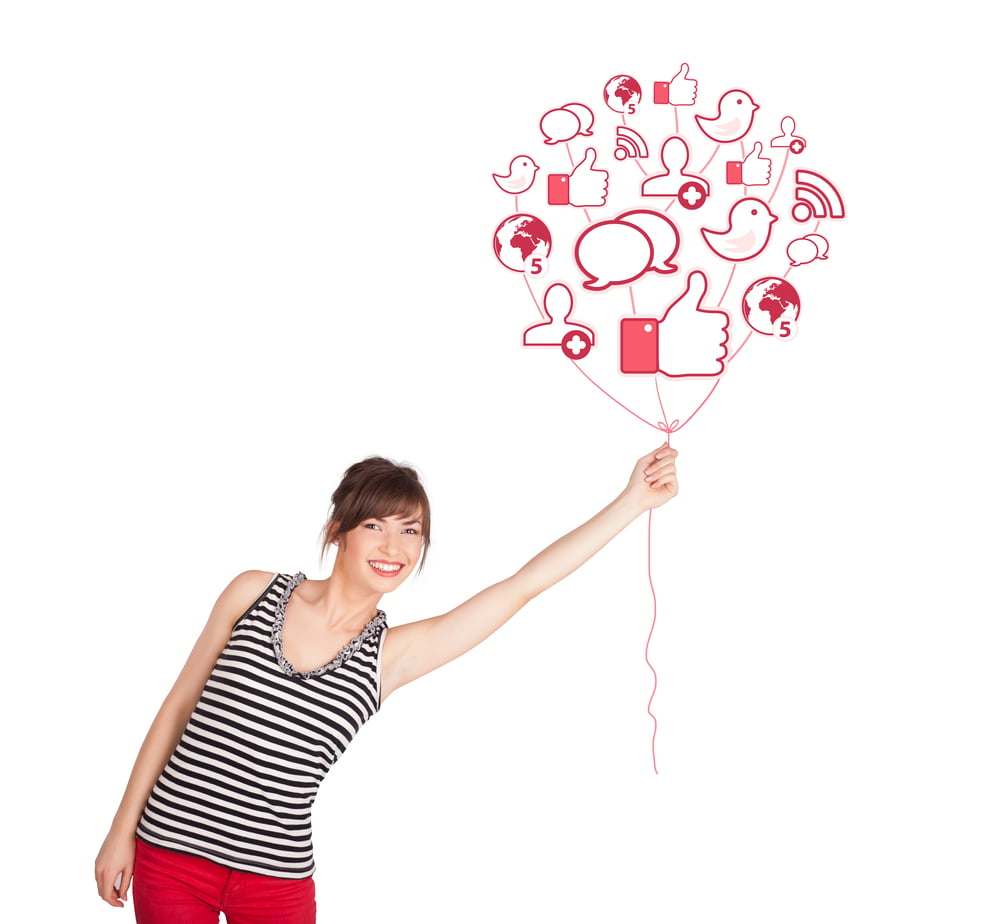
376,488
216,816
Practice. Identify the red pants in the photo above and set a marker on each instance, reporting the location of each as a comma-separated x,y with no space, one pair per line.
173,888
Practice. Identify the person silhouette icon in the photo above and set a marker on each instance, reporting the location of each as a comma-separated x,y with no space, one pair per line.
690,189
575,339
788,138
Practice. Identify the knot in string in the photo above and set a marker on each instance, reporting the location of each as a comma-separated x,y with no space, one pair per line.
669,427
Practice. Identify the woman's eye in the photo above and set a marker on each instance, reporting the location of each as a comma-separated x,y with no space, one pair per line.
371,525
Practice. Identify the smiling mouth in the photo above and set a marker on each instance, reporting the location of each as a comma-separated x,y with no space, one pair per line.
386,568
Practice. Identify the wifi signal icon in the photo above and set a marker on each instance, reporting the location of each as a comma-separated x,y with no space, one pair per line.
815,197
629,144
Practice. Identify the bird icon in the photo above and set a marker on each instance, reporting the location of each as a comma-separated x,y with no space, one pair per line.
520,175
749,231
733,121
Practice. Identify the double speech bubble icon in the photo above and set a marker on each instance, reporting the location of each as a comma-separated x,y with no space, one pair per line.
619,251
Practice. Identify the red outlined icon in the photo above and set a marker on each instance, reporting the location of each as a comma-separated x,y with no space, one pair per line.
519,177
816,197
623,94
747,234
687,341
805,249
692,190
575,339
788,138
617,252
771,307
733,119
680,90
754,170
586,116
522,243
612,253
663,235
629,143
586,186
566,122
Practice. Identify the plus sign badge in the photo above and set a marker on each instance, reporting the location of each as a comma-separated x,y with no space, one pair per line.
692,195
576,344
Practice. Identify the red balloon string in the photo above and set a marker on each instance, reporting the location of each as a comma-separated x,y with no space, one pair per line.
777,184
652,590
531,292
740,347
613,398
668,426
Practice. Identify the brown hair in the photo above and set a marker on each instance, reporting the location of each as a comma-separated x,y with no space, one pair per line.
377,487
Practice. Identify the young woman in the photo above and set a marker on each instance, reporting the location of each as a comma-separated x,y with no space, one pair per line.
216,813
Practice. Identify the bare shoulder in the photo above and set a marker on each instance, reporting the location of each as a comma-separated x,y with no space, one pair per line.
239,595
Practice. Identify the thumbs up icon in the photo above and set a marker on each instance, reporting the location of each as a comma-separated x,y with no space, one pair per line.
585,186
754,171
687,341
680,90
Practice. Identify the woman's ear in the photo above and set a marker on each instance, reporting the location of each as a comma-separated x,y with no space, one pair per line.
333,532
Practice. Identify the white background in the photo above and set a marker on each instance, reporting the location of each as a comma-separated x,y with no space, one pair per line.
243,245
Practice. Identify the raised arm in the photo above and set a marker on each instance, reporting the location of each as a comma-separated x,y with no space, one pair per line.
117,854
416,648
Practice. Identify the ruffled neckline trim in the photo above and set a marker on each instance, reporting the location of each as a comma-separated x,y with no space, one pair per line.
376,625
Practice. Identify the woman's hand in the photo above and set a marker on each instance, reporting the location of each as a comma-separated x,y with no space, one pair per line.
654,479
116,857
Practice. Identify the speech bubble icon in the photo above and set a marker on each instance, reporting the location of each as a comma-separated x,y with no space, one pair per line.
663,234
822,245
613,253
559,125
802,251
584,114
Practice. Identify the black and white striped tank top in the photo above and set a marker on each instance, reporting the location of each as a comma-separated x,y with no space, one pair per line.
239,788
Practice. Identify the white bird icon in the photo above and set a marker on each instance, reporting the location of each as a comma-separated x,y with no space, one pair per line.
520,175
733,121
749,231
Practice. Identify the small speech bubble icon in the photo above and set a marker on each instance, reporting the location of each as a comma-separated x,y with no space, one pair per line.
613,253
802,251
662,233
560,125
822,245
585,115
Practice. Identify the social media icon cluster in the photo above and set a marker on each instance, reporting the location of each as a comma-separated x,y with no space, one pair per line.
702,184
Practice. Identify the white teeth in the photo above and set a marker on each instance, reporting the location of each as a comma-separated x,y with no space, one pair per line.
379,566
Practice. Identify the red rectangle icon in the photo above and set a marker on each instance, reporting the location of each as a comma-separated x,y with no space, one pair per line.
734,172
661,91
640,346
558,189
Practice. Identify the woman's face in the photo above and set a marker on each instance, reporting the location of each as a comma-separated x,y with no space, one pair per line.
381,551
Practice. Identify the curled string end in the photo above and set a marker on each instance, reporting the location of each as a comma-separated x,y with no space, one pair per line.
649,664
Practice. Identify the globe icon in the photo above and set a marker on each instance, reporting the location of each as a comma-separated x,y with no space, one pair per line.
519,238
768,301
622,94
